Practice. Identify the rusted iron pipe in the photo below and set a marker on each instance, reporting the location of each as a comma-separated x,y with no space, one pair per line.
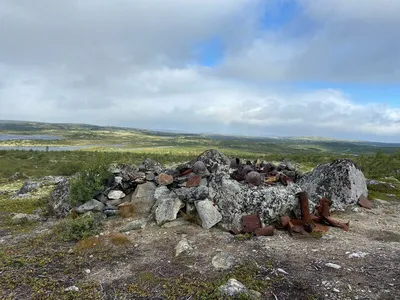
304,207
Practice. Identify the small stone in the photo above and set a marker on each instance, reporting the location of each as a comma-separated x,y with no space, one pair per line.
176,223
24,218
333,266
233,288
87,271
183,246
336,290
204,182
255,295
164,179
134,225
72,289
223,261
92,205
118,179
116,195
357,255
282,271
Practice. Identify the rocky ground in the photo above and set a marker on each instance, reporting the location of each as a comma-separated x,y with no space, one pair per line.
142,264
129,259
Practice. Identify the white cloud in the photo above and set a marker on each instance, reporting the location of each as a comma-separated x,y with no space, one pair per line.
128,63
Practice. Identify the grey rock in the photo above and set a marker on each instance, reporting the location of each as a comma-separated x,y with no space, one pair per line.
115,202
150,177
333,266
208,213
161,192
101,197
176,223
213,159
59,203
183,246
190,208
253,178
204,182
223,261
28,187
255,295
144,198
17,176
116,195
118,179
24,218
72,289
151,165
340,181
235,199
110,211
123,170
167,209
91,205
134,225
193,194
233,288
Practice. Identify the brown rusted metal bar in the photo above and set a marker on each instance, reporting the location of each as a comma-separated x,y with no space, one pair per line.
265,231
304,207
335,223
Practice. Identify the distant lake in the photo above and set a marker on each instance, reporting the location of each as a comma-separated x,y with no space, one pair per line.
43,148
14,137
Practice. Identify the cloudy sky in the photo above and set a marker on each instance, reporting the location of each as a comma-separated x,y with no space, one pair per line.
255,67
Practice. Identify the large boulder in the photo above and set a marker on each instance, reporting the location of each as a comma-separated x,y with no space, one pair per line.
212,159
236,199
340,181
59,203
143,197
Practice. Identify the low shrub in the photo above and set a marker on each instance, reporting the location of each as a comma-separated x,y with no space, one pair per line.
79,228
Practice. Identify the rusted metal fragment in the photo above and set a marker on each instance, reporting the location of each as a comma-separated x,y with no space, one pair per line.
320,228
185,172
285,180
250,223
193,181
285,220
298,229
265,231
304,207
364,202
335,223
323,207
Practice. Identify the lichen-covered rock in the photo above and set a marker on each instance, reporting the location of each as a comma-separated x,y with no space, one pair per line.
193,194
150,165
233,288
223,261
91,205
167,209
123,170
59,203
143,197
213,159
208,213
24,218
28,187
340,181
235,199
116,195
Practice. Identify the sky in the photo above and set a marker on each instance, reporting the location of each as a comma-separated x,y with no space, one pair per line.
328,68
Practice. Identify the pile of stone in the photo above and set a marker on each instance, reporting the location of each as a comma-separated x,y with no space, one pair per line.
218,190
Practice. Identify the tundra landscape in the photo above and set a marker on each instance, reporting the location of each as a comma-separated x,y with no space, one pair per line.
123,216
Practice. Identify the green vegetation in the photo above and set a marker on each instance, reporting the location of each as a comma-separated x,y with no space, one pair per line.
78,228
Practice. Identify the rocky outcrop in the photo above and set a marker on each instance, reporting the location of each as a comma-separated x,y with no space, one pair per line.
59,203
340,181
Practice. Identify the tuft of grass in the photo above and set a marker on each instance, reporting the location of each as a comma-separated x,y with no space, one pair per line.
88,243
118,239
127,210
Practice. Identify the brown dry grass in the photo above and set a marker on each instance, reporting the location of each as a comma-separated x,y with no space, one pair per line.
119,239
127,210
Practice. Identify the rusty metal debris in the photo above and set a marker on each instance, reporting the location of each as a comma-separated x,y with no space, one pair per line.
193,181
364,202
265,231
250,223
309,223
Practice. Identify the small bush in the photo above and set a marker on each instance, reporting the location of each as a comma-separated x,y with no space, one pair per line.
88,243
77,229
90,180
118,239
